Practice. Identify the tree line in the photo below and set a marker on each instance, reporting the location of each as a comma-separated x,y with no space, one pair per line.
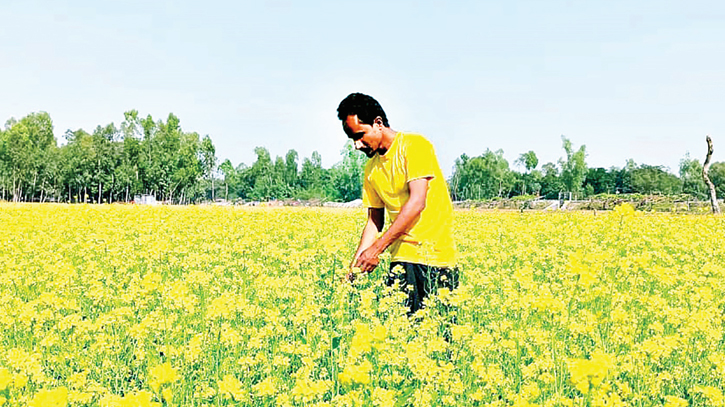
156,157
490,176
111,164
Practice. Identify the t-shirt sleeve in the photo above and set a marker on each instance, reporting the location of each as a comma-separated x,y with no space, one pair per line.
420,159
370,198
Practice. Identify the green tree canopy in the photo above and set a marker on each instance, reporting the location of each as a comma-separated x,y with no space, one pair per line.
573,167
691,176
653,179
485,176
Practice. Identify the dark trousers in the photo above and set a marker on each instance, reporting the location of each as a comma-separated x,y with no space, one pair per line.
419,280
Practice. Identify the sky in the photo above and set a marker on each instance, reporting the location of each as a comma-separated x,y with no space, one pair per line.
641,80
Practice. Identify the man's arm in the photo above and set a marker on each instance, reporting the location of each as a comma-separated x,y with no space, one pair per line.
367,258
374,225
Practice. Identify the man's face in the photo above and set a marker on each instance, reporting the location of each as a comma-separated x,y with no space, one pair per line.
366,138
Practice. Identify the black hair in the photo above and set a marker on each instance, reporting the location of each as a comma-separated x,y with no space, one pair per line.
365,107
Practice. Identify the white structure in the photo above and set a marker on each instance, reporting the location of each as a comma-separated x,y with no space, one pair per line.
352,204
145,199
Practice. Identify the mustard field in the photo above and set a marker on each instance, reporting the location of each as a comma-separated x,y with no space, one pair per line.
119,305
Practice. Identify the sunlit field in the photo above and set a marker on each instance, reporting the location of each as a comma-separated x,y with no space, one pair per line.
120,305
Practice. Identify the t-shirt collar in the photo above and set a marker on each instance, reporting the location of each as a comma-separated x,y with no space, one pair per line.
388,153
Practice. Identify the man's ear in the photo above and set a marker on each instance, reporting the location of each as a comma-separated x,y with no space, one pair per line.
378,120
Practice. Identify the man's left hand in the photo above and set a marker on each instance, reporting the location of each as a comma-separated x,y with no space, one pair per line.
368,259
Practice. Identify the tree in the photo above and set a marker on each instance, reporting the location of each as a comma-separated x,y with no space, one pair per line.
485,176
141,156
229,174
27,146
148,161
600,181
530,161
128,175
244,181
623,177
652,179
208,161
551,184
347,175
459,180
166,144
187,167
574,167
717,176
312,177
280,188
706,177
78,168
4,161
291,169
104,161
260,175
533,180
691,176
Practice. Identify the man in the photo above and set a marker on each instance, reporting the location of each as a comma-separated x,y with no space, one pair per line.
402,178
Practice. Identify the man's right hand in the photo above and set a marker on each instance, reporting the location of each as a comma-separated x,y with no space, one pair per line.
368,259
374,225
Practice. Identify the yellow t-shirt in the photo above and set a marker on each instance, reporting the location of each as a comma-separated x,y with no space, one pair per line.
411,156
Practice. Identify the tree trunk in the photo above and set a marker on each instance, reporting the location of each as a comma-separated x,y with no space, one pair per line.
113,188
710,185
32,191
100,192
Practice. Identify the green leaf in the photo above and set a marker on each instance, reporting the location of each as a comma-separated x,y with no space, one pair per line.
403,399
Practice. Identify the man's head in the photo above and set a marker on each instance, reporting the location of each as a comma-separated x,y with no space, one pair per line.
363,120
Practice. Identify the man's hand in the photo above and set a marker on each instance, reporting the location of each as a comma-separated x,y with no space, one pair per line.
369,258
371,247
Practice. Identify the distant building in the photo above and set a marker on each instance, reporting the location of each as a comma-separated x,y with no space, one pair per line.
352,204
145,200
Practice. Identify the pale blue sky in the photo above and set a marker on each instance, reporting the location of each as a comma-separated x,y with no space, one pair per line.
629,79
